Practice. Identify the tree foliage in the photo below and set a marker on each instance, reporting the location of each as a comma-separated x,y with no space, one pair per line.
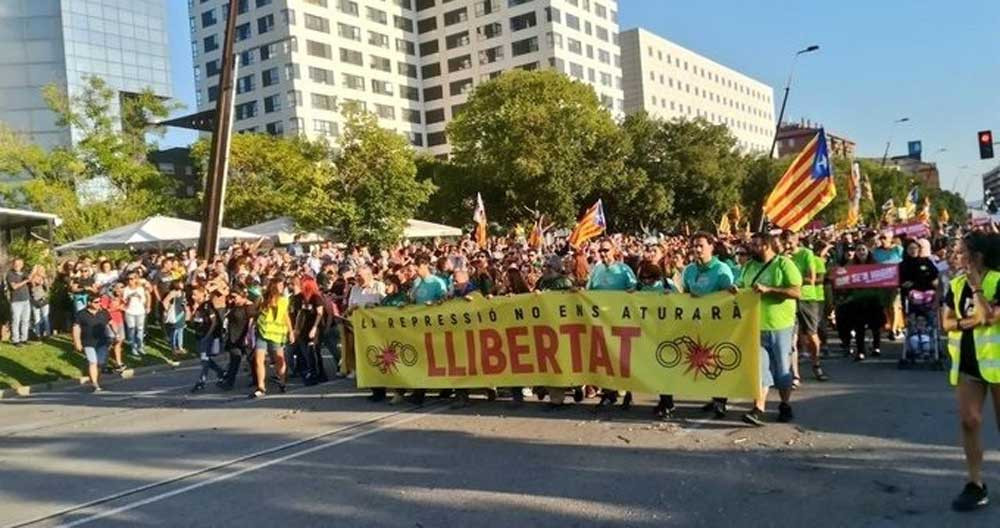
104,179
538,140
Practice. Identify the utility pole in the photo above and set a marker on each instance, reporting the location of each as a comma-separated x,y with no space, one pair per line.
218,163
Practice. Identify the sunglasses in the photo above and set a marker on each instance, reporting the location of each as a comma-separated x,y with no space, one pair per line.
604,250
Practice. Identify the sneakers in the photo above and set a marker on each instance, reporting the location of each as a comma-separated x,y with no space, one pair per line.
859,356
876,352
973,497
198,387
664,413
820,374
755,418
627,401
716,407
397,399
785,413
97,389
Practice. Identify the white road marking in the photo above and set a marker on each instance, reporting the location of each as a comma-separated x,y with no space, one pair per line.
256,467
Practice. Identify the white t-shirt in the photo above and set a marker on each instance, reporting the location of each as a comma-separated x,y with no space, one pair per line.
371,294
135,300
101,278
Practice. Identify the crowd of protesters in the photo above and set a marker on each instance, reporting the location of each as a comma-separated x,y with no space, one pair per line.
285,310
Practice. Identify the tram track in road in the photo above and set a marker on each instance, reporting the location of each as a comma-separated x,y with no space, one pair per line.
217,473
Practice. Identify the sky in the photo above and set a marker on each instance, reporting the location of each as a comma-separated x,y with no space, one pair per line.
936,62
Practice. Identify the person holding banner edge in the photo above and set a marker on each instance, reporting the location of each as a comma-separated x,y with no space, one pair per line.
614,275
972,320
809,311
778,281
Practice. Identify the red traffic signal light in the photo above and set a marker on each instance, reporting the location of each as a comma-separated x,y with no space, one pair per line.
985,144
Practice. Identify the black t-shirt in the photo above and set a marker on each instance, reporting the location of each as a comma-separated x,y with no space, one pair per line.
238,321
968,364
208,321
17,294
307,313
93,327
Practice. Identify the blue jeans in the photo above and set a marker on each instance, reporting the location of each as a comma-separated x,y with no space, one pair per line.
331,338
175,333
135,332
208,348
20,321
775,358
40,315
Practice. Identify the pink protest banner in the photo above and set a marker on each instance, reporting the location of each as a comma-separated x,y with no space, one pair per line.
981,221
866,276
916,229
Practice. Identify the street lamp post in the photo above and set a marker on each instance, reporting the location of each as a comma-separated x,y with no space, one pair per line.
885,156
784,100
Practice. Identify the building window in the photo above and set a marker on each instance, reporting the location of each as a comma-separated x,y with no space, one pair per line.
491,55
402,23
522,47
574,46
436,138
352,57
460,87
573,22
269,77
246,110
325,128
268,50
242,32
434,116
456,17
211,43
323,102
604,56
377,15
405,4
459,63
262,3
554,40
349,32
428,48
385,111
208,18
576,70
247,58
294,98
405,46
524,21
354,82
407,69
381,87
317,23
489,31
485,7
213,93
433,93
245,84
427,24
212,68
429,71
410,116
321,75
272,103
347,7
457,40
265,24
381,64
291,71
378,39
602,33
424,4
513,3
411,93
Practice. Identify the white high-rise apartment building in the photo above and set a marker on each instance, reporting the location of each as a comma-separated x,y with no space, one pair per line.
411,62
61,42
669,81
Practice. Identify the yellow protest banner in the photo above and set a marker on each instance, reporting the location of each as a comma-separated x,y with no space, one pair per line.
646,343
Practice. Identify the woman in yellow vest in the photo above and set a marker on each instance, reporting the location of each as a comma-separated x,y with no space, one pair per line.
274,331
971,317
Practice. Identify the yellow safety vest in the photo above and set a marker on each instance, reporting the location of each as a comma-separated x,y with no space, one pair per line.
987,338
272,324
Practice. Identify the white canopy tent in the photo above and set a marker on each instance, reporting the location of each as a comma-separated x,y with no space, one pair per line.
421,229
282,230
155,232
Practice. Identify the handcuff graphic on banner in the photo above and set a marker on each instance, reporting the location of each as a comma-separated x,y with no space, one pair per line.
708,360
388,358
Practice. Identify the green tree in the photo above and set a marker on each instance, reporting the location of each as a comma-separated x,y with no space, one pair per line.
110,154
375,189
453,200
958,212
538,139
270,177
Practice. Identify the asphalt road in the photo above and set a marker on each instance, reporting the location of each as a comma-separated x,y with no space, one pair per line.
875,447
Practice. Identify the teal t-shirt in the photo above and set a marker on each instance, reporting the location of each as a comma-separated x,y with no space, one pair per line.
428,290
893,255
617,276
709,278
775,314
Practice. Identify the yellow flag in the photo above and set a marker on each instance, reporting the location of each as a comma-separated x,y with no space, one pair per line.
724,227
944,217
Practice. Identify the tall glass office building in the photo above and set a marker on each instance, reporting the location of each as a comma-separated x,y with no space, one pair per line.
63,41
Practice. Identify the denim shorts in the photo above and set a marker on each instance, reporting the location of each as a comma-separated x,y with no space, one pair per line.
266,345
775,358
96,355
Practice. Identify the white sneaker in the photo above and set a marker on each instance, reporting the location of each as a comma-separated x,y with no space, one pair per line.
350,375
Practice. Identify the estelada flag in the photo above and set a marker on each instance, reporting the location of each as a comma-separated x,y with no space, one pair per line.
805,188
853,196
536,238
925,212
944,217
724,226
480,218
592,224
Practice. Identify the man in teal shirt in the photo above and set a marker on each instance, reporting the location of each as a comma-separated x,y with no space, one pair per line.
707,274
779,284
428,288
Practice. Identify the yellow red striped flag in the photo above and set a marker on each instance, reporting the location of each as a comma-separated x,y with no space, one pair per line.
480,218
805,188
592,224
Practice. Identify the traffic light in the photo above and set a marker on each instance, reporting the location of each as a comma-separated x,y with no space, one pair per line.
986,144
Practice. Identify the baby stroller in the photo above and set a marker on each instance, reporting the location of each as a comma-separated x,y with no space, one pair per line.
922,347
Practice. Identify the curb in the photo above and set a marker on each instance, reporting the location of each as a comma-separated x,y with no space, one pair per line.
28,390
